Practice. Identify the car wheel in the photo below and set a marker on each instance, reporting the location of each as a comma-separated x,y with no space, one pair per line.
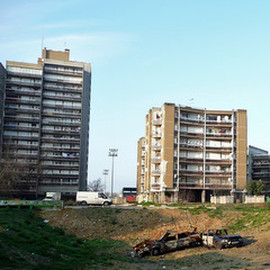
155,252
105,203
83,203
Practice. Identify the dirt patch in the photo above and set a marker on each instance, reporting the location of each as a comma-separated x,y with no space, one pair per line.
135,225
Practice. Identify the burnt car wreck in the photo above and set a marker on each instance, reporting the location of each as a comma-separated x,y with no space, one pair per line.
220,238
170,241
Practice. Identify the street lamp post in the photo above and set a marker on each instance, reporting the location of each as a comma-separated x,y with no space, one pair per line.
112,153
105,173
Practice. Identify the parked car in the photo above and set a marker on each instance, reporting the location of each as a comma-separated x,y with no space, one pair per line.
220,238
170,241
52,196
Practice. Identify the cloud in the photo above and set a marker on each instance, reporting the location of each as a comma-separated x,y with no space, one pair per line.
97,47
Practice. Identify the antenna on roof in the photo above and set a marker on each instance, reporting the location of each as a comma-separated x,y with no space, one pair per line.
42,39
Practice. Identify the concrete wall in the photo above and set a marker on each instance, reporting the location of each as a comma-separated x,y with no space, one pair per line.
221,199
84,144
168,143
241,152
254,199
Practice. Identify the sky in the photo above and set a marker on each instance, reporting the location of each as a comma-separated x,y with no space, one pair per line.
207,54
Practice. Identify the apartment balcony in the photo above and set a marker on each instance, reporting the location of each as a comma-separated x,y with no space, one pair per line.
11,110
62,81
75,73
52,183
219,162
61,98
62,115
21,119
10,100
191,160
60,149
156,147
156,134
143,154
190,173
155,186
30,92
20,128
156,159
157,122
218,173
22,83
261,164
27,156
219,135
60,140
219,150
64,89
54,106
24,75
190,121
219,122
189,134
20,137
59,167
44,156
60,132
261,174
20,146
155,172
58,123
191,147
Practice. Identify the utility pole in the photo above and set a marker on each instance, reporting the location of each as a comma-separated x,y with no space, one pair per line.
112,153
105,173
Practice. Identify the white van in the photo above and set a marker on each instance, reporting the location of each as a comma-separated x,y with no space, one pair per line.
89,197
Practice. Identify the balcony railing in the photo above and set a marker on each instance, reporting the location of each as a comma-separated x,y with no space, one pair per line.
156,172
156,159
156,147
156,134
157,122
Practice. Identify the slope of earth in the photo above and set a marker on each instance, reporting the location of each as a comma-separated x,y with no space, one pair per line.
135,225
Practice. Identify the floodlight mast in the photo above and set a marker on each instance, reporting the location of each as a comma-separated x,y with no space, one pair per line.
105,173
113,152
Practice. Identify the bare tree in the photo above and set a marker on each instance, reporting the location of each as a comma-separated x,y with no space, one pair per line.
96,185
17,178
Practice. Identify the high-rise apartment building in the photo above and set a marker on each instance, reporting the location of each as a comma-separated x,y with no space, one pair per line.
46,122
190,153
2,91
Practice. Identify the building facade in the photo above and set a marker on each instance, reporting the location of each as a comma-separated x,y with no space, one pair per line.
189,154
259,166
46,122
2,91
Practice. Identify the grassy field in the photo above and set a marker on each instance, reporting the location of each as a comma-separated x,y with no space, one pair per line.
92,241
26,242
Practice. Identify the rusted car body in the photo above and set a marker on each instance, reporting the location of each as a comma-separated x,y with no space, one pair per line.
170,241
220,238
